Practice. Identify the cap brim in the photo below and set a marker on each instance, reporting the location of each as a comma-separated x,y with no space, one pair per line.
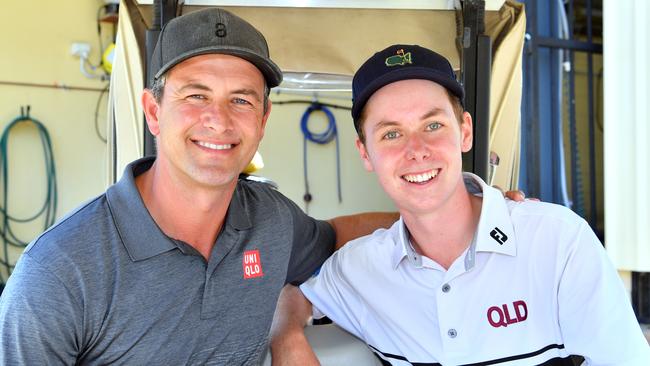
271,72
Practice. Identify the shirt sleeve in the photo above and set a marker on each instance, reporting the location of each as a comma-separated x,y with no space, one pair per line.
332,294
596,317
313,243
39,321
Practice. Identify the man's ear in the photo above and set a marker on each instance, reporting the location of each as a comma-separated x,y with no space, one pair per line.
364,155
466,133
150,108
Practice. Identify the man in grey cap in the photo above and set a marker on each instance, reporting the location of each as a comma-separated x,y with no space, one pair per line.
180,262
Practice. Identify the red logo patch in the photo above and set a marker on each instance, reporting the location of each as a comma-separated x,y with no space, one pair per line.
507,314
252,264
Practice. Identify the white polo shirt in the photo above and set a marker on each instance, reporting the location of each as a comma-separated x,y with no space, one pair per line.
534,287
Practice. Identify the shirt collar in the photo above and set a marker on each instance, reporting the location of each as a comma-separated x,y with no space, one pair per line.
495,232
238,215
138,231
403,248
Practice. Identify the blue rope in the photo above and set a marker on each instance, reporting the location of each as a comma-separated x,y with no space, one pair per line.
322,138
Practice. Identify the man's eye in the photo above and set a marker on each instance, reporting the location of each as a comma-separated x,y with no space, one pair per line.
241,101
434,126
196,96
391,135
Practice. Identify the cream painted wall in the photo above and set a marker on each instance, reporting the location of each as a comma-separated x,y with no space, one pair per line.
35,44
282,150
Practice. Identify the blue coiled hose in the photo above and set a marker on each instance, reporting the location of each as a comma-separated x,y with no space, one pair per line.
322,138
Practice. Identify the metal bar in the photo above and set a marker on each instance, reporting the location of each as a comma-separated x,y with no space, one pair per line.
576,175
482,121
475,61
534,149
555,113
553,98
571,21
114,143
569,44
51,86
545,170
534,183
151,37
576,189
164,11
468,70
641,296
592,140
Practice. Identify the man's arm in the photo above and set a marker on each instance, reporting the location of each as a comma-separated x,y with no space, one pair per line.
289,345
354,226
39,322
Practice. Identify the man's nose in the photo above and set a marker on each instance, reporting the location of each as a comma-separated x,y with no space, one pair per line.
216,118
417,148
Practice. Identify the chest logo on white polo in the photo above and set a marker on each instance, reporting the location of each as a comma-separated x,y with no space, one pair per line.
498,235
252,264
507,314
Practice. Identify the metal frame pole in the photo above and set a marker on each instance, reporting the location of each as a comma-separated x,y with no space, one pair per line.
164,11
476,65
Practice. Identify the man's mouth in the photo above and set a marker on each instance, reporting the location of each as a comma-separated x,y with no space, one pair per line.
421,177
212,146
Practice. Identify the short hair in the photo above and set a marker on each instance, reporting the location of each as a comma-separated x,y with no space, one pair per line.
456,105
158,87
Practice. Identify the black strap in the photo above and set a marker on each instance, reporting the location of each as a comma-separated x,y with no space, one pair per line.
557,361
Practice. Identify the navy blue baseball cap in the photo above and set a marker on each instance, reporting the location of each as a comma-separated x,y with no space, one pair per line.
400,62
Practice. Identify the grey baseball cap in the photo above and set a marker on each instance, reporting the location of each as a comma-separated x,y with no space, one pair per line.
212,30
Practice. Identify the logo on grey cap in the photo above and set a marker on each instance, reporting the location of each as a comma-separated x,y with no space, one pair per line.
221,30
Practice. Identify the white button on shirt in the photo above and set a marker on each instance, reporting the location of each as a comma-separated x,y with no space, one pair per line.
534,285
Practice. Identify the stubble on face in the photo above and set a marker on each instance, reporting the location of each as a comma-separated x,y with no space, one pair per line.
210,120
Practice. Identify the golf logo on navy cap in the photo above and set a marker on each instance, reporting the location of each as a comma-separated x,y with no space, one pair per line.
400,59
396,63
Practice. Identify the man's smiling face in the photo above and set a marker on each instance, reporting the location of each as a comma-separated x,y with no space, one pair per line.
413,142
210,119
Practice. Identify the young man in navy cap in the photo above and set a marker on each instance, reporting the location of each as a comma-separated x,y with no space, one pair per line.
464,277
180,262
